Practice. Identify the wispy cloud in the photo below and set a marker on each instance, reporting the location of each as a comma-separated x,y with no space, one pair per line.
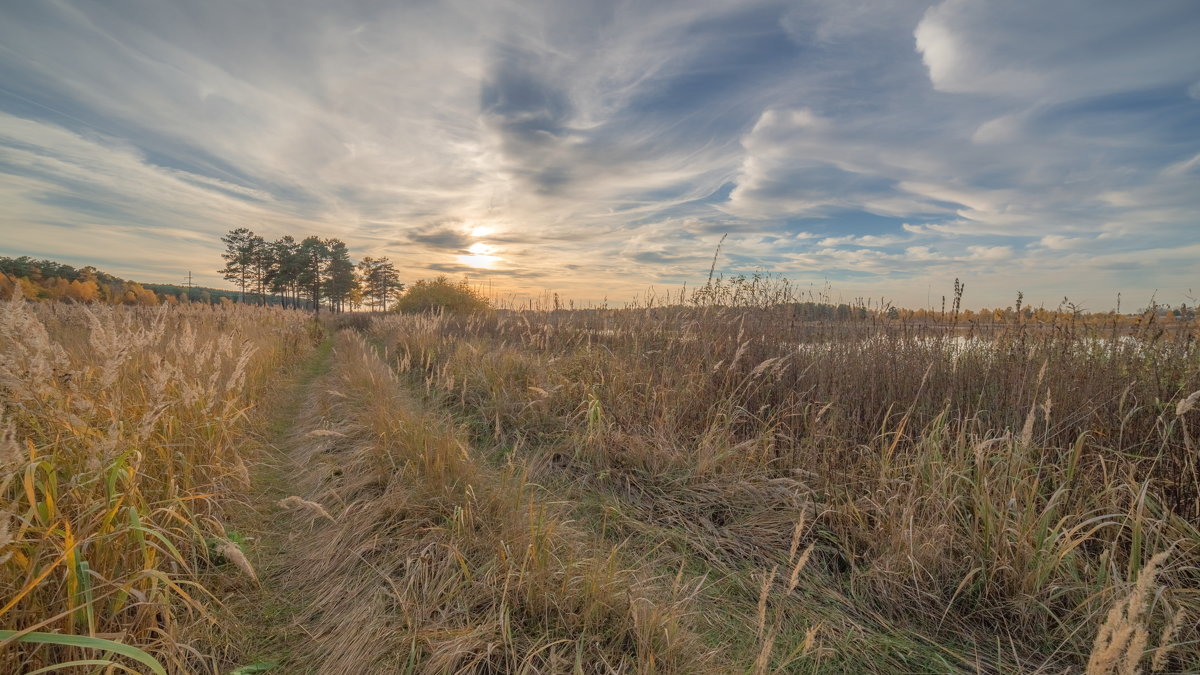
595,148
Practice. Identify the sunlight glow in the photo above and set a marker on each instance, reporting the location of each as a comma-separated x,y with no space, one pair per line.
480,256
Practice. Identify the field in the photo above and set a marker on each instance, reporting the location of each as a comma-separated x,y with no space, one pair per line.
707,487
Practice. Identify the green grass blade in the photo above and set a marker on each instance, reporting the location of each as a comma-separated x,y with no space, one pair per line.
88,643
82,662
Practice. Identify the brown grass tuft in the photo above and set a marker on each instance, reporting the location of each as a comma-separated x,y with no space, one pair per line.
1187,404
1121,641
234,554
313,508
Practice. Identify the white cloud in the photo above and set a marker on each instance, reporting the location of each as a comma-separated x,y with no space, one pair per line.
921,254
1057,242
592,145
869,240
1184,166
990,252
1058,51
999,130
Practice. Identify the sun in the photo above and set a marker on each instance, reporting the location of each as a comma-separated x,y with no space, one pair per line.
479,256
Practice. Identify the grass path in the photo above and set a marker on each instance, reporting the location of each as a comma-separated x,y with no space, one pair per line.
265,635
408,551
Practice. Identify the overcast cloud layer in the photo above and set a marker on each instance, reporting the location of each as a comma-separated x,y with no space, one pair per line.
600,148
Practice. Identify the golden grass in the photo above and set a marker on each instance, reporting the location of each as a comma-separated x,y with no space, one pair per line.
961,490
667,489
120,437
443,563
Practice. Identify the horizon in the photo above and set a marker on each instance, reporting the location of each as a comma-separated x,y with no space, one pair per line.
597,151
655,298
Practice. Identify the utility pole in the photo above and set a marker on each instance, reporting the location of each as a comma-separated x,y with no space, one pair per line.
189,286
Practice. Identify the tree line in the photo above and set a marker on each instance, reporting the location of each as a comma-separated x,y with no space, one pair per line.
50,280
308,274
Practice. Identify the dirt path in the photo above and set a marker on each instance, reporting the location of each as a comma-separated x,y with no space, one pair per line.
265,635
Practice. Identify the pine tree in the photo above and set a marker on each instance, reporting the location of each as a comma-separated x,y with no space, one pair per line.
381,281
261,259
313,256
339,277
285,270
239,257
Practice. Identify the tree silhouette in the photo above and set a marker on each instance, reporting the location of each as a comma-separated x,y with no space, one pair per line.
381,281
284,272
314,254
338,278
240,246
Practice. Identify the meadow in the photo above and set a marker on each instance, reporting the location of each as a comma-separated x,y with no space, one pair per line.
736,483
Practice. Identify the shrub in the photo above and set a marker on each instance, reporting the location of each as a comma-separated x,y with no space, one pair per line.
441,294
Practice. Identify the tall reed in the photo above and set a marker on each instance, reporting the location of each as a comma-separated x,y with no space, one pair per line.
121,432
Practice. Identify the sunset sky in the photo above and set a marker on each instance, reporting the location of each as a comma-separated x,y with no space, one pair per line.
600,148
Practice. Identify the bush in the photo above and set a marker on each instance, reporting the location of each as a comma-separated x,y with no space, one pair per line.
441,294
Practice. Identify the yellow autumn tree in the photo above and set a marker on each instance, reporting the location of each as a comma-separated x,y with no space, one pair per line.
29,290
55,288
136,294
82,291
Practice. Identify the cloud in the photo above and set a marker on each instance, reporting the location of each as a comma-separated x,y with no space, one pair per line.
1005,128
1182,167
868,240
990,252
469,271
1065,50
921,254
663,258
800,164
441,237
596,147
1057,242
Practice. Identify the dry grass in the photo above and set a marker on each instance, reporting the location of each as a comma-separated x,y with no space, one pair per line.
439,562
978,503
313,508
701,488
121,434
1121,641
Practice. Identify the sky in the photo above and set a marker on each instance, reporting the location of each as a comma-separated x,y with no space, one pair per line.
862,149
